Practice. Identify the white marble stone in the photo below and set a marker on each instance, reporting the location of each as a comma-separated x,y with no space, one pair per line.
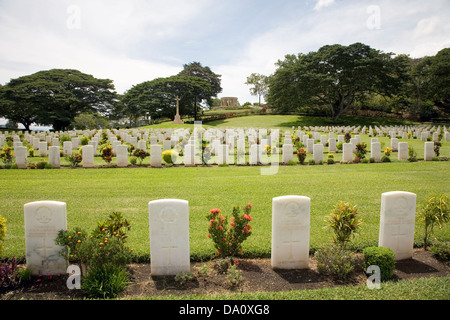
169,236
43,221
290,232
397,218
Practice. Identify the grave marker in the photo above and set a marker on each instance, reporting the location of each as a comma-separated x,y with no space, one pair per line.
169,236
43,221
290,232
398,211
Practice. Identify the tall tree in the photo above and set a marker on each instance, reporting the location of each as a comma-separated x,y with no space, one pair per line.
259,83
438,84
335,76
55,97
195,69
157,97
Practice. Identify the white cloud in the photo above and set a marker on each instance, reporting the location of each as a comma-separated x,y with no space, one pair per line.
136,40
322,4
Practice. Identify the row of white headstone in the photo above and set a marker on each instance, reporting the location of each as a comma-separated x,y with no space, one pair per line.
225,154
169,232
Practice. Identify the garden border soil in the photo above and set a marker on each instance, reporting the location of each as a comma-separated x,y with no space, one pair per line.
258,276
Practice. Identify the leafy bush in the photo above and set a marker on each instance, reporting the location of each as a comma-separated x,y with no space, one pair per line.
170,156
6,155
107,153
412,155
228,238
9,277
442,251
105,281
140,154
382,257
436,210
74,159
334,261
301,154
343,220
361,150
41,165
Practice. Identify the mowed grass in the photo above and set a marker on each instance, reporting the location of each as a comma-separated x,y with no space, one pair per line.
92,194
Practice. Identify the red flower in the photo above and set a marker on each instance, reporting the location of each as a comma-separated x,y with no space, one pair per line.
248,217
249,204
214,211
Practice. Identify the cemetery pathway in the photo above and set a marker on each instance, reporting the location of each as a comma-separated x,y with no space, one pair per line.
257,275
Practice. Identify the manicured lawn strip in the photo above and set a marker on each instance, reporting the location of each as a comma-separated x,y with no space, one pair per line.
417,289
92,194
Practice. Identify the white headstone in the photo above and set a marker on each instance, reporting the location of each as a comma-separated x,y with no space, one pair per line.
375,151
121,151
43,221
318,152
169,236
189,154
403,151
54,156
397,218
43,148
21,157
88,156
290,232
331,145
347,149
288,153
155,156
428,151
67,148
254,154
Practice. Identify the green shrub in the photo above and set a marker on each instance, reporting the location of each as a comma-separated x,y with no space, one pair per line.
170,156
133,160
343,220
436,211
335,261
41,165
442,251
105,281
382,257
228,237
184,277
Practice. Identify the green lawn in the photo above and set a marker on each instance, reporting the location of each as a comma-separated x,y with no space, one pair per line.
91,194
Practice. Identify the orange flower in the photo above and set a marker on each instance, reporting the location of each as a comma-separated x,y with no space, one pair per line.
248,217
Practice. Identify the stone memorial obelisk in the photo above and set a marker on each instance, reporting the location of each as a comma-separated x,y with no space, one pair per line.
177,119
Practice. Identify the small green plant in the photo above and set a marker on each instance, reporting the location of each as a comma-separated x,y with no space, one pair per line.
334,261
6,155
41,165
437,148
84,141
133,161
75,158
140,154
105,281
361,150
234,276
228,237
107,153
436,211
412,155
344,222
184,277
442,251
382,257
114,226
170,156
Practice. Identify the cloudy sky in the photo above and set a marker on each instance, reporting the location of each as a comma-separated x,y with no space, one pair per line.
131,41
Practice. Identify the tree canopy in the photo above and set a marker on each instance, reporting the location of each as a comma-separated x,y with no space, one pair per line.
156,98
55,97
336,77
